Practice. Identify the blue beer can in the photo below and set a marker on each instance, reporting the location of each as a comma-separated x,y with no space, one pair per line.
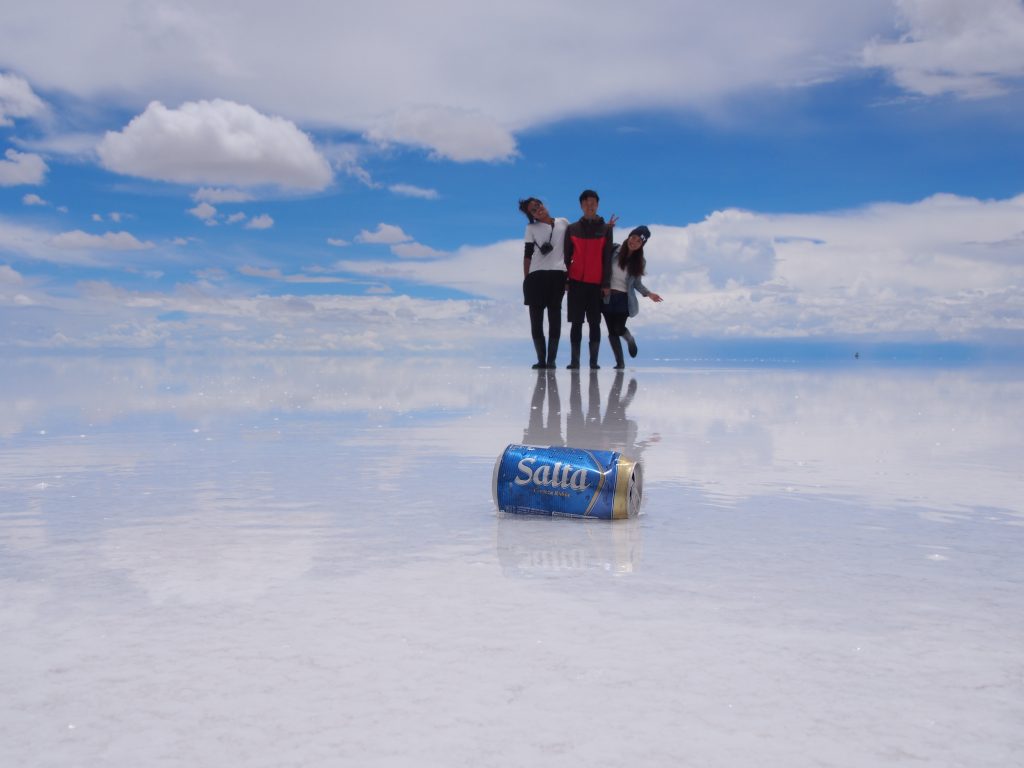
574,482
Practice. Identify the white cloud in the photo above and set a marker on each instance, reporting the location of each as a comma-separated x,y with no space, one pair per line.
211,274
21,242
10,276
203,211
939,268
97,217
110,241
348,158
477,270
386,234
455,134
251,271
263,221
216,195
971,50
74,145
416,251
362,176
17,99
943,268
275,274
24,242
21,168
101,315
234,218
31,199
337,242
728,254
409,190
689,55
946,267
215,142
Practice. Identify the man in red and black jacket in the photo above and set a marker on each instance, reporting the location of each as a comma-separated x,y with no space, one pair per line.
588,258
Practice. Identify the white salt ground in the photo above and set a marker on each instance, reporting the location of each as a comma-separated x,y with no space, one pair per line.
296,562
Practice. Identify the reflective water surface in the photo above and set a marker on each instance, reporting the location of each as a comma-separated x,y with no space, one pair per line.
296,561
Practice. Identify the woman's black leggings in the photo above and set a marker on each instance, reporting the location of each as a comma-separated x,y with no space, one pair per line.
554,312
616,323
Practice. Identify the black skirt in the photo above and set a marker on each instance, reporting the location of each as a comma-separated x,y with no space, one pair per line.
544,288
616,312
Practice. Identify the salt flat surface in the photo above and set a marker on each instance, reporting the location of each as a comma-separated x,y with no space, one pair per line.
296,561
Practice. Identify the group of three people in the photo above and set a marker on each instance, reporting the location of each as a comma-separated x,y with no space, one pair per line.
599,277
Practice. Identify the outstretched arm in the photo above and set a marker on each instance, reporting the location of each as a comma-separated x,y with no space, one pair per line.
643,290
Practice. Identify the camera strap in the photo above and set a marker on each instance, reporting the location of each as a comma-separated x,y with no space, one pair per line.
549,236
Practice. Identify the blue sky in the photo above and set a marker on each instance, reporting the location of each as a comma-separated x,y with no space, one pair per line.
320,178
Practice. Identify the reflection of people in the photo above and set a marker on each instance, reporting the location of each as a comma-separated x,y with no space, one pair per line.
627,269
538,431
543,277
588,252
583,430
619,432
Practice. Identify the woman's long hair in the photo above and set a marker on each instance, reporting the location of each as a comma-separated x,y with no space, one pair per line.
634,263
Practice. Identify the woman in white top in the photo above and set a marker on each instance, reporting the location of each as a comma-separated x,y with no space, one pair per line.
627,268
543,277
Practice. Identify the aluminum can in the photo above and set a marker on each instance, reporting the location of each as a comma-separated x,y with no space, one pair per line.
574,482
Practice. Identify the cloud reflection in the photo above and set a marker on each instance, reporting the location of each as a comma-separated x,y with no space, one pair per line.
930,438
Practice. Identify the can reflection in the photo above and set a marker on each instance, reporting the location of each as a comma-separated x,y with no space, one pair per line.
539,546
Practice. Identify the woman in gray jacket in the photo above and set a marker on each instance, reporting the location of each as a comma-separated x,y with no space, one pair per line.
627,269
